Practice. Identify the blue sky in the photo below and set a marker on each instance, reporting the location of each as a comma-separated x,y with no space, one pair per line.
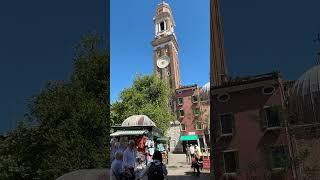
132,30
261,36
36,41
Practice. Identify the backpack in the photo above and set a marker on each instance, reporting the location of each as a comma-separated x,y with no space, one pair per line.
155,172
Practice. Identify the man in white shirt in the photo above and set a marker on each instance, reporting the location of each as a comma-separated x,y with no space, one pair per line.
129,158
192,151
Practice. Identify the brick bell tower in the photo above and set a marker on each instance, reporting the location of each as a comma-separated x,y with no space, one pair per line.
165,47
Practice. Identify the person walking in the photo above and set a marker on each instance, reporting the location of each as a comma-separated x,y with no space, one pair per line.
188,155
129,159
155,170
199,156
195,165
117,171
192,151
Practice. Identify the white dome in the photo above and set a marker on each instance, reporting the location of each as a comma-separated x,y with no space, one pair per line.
205,91
308,83
138,120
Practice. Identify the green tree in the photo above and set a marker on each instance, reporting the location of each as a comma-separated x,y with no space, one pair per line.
147,96
67,126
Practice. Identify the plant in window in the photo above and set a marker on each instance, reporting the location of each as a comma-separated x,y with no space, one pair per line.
181,112
199,125
194,98
180,101
183,127
196,111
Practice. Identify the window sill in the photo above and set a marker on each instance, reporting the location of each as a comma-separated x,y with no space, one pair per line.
273,128
277,169
231,174
226,135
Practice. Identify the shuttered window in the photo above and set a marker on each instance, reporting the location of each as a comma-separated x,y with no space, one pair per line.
231,161
227,123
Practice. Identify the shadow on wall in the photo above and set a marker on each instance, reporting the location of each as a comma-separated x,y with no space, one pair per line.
87,174
103,174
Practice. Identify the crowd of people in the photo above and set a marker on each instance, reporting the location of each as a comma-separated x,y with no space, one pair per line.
194,157
126,161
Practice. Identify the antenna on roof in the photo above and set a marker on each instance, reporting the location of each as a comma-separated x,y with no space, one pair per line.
317,44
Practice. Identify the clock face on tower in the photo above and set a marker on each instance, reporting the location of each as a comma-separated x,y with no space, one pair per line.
163,62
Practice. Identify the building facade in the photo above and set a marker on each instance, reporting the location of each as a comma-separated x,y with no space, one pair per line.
250,133
193,115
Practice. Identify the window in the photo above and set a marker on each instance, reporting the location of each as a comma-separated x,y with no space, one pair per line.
183,127
180,101
198,126
271,117
227,121
279,156
231,163
181,112
268,90
194,99
162,26
223,97
196,111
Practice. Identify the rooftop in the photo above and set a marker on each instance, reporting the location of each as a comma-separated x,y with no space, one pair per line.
249,79
187,87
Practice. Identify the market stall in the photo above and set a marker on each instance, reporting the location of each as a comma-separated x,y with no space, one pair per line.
143,131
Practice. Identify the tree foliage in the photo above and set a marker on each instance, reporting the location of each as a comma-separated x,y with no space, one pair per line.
147,96
67,125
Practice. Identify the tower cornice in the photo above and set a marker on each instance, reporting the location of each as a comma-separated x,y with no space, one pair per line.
165,39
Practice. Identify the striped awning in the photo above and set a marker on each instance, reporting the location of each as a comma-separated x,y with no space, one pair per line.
129,132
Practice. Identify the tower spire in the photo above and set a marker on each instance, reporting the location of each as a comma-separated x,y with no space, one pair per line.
218,65
317,44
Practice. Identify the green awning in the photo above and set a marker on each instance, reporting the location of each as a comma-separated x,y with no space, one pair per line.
189,138
162,139
129,133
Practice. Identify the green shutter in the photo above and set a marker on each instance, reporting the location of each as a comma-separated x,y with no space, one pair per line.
233,124
236,155
282,116
221,162
263,119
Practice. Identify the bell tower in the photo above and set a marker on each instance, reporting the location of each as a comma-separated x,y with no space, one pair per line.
165,47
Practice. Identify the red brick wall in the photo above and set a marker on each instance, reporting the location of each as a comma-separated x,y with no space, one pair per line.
188,112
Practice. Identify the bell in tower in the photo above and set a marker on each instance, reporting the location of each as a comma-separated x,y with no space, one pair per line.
165,46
